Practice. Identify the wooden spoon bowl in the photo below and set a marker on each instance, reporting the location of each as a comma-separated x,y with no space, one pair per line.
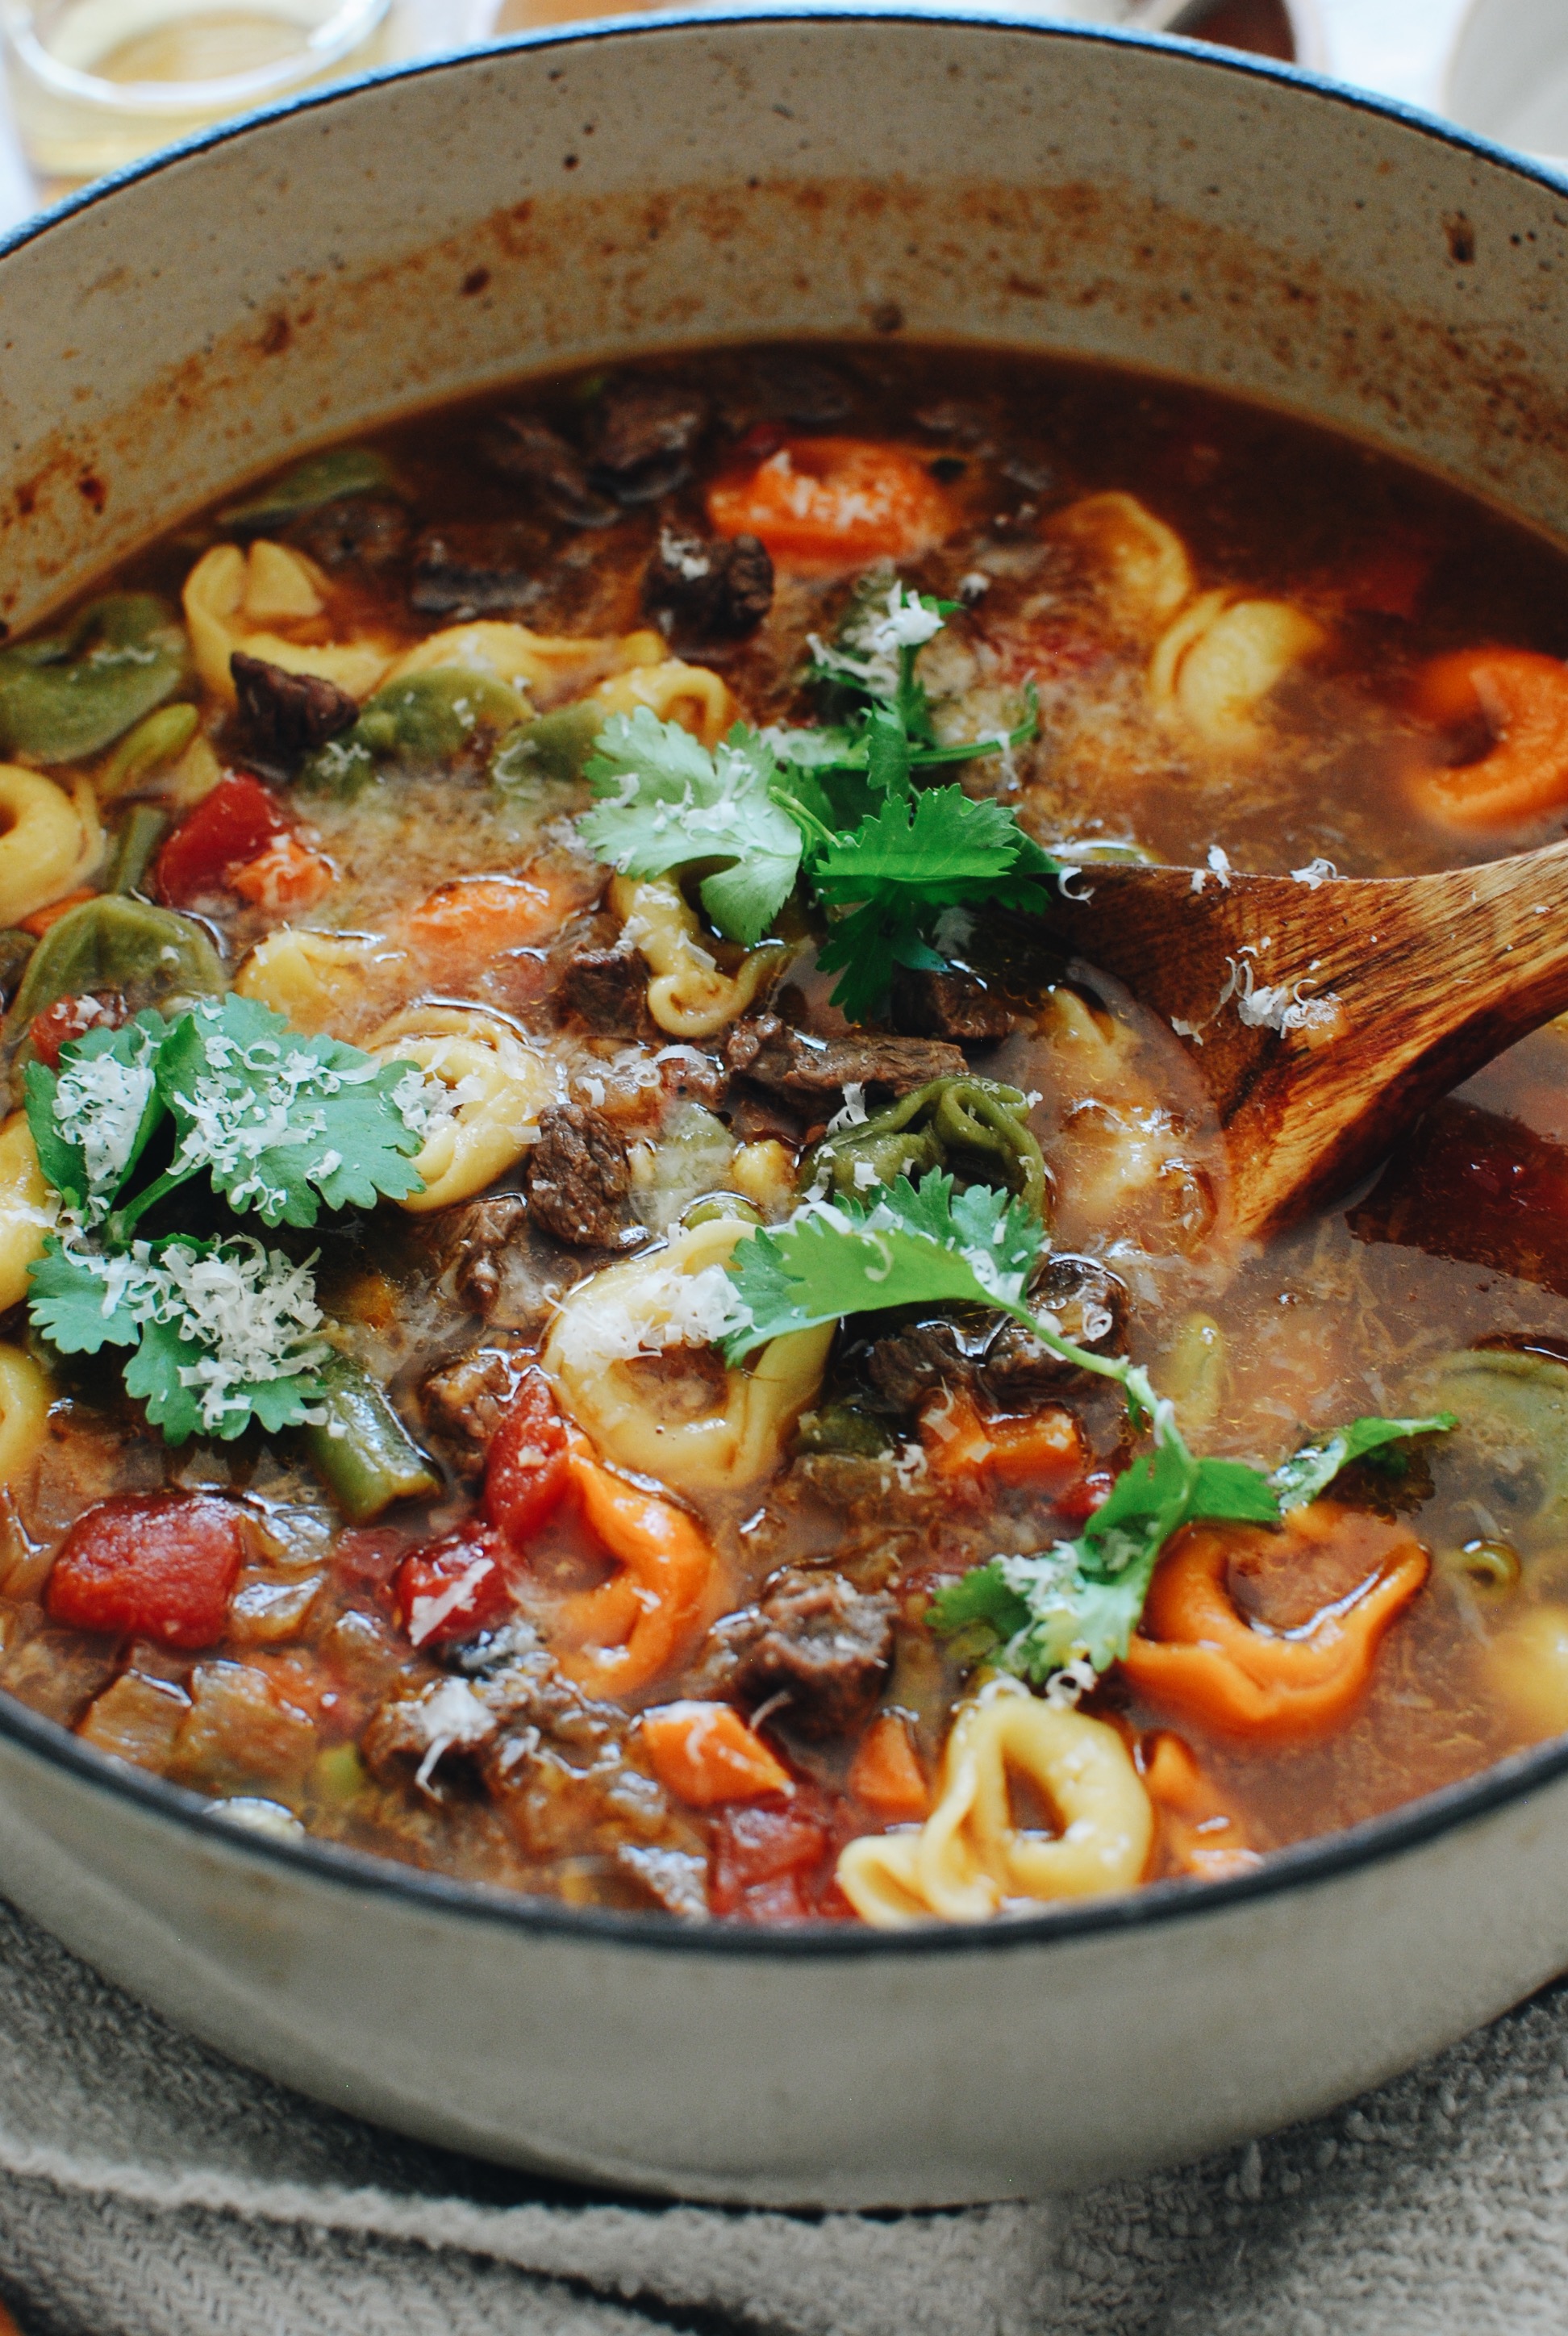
1324,1015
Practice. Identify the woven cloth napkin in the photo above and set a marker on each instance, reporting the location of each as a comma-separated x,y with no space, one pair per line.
150,2188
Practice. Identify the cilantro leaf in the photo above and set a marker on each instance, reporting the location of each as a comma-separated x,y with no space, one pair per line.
665,802
913,1246
225,1332
91,1119
73,1307
905,863
282,1122
1312,1469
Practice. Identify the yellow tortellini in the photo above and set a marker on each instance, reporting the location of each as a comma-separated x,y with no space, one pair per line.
50,840
27,1210
668,1298
690,995
497,1088
324,981
688,693
237,599
25,1399
1144,570
970,1860
1216,664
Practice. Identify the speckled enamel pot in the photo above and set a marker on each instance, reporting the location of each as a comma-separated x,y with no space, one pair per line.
647,185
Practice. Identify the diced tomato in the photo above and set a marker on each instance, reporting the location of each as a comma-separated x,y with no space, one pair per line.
763,439
369,1555
73,1017
162,1565
824,505
765,1862
1389,582
527,1472
453,1588
230,827
887,1775
1080,1501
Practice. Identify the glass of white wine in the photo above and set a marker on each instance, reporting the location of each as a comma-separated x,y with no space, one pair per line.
97,84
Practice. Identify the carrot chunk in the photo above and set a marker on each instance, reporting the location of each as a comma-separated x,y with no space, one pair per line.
706,1753
41,919
821,505
288,875
1043,1448
1522,699
887,1776
157,1565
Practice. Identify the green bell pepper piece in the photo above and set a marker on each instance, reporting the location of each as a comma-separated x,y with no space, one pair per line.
141,832
975,1127
362,1452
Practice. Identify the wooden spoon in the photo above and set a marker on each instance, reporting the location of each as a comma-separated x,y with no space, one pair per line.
1402,988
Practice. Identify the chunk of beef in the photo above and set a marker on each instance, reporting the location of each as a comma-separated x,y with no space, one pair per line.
793,1062
283,715
606,991
566,1771
578,1179
475,571
1001,1361
478,1242
523,447
355,531
1091,1304
710,591
918,1359
464,1402
803,390
646,435
814,1637
955,1005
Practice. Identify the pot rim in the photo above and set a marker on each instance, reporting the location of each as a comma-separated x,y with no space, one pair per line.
1321,1859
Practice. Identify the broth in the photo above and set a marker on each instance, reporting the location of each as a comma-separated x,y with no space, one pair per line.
601,1615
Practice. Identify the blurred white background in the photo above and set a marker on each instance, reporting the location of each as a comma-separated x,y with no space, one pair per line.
1395,46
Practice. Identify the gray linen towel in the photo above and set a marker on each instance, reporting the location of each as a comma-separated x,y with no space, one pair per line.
150,2188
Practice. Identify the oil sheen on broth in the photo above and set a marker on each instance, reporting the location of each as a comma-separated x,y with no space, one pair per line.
531,1585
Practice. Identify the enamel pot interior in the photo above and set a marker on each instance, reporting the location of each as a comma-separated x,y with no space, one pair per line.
581,197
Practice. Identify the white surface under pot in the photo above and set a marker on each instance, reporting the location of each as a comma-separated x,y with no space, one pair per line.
578,198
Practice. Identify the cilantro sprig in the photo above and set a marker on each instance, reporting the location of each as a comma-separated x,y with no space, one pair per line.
223,1331
841,805
220,1332
280,1123
666,801
1080,1600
